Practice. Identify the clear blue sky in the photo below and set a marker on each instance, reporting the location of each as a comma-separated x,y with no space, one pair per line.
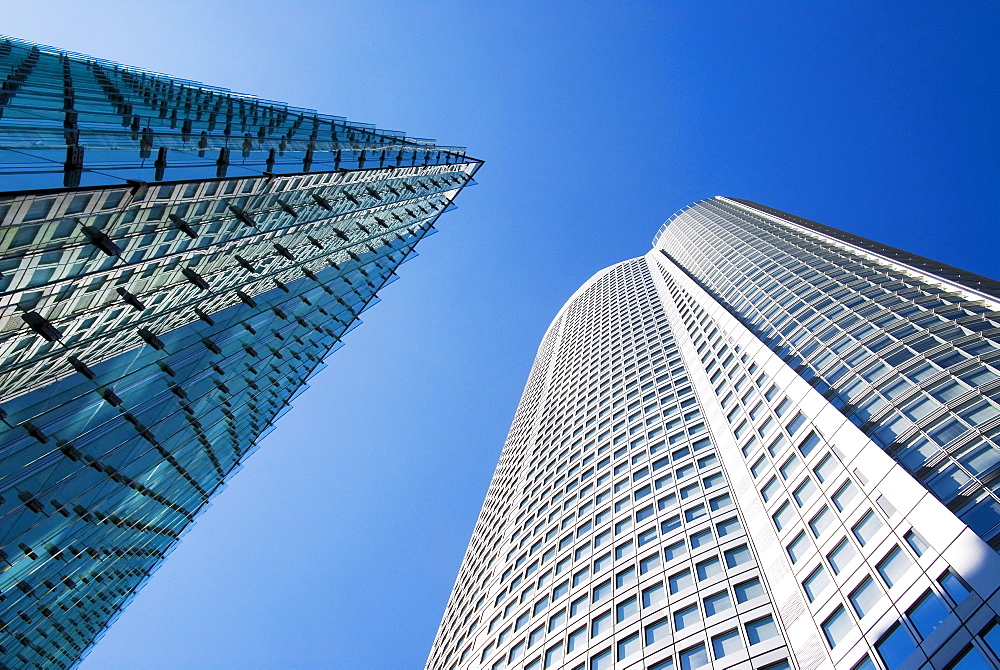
338,544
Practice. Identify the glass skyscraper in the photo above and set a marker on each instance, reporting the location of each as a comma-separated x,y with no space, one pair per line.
176,261
765,444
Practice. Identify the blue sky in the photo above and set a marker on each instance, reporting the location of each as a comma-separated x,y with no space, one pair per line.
338,544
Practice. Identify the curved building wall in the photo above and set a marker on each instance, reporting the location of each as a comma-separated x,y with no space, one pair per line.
762,445
610,535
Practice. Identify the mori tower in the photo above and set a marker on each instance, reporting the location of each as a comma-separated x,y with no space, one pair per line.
767,444
176,261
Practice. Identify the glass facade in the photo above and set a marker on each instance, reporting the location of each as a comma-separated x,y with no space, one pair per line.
176,261
765,444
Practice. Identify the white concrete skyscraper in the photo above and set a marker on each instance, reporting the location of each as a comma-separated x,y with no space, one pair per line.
766,443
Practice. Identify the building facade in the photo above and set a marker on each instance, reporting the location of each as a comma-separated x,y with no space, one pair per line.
176,261
766,444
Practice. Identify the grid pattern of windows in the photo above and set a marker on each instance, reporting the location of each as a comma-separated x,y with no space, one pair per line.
914,364
870,582
151,331
671,466
609,532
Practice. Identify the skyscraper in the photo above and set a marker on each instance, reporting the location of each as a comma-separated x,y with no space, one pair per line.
176,261
766,443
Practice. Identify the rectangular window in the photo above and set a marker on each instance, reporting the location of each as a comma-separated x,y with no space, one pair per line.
627,609
817,581
842,555
927,613
601,625
681,581
708,569
717,603
845,495
894,566
838,626
657,632
649,563
895,646
727,643
686,617
867,528
761,629
748,590
865,597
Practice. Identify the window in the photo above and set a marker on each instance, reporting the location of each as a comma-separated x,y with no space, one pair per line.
627,609
557,620
601,625
927,613
603,661
844,495
784,517
837,626
726,643
728,527
798,548
629,646
748,590
771,489
708,569
761,629
701,539
657,632
867,528
651,562
577,639
916,543
603,591
653,596
893,566
579,605
953,586
805,491
694,513
821,522
553,655
865,597
790,467
675,550
738,556
809,444
686,617
693,658
842,555
536,636
717,603
816,582
895,646
826,469
681,581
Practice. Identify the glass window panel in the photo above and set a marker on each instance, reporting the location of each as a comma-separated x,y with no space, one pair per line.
761,629
867,528
895,646
816,583
894,566
717,603
865,596
838,626
927,613
686,617
749,590
727,643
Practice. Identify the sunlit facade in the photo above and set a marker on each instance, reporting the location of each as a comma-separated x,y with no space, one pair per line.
765,444
176,261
